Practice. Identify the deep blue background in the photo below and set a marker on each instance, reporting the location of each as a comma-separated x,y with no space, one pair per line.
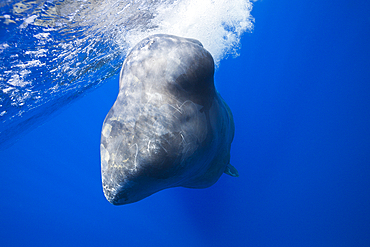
300,95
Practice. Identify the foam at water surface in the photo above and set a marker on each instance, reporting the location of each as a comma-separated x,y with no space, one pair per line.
53,51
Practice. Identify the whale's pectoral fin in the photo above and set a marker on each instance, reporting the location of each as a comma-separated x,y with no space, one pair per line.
230,170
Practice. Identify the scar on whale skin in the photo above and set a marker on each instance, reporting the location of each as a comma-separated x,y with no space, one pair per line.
169,126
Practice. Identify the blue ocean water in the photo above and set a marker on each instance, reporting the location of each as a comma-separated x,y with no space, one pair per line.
300,96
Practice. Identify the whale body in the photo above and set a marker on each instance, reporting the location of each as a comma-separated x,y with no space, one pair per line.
169,126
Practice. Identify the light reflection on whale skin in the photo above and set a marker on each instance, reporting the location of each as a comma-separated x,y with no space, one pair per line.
169,126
